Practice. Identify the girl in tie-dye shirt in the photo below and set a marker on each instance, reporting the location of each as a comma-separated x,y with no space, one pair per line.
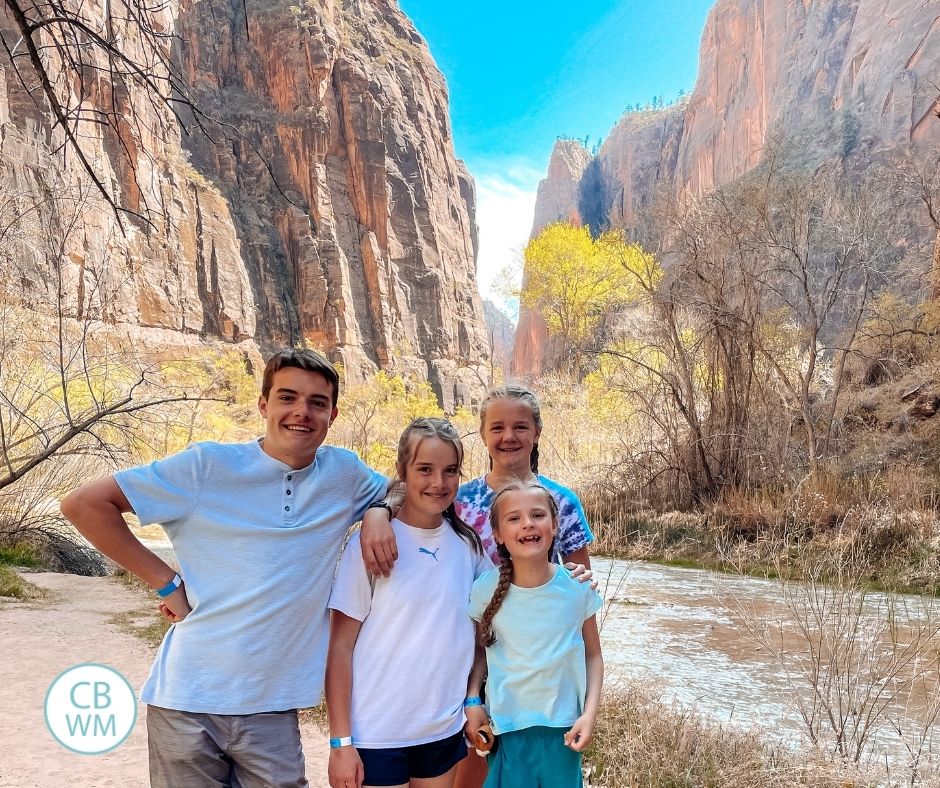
475,497
510,425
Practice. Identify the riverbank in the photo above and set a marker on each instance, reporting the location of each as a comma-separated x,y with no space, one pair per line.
75,620
879,548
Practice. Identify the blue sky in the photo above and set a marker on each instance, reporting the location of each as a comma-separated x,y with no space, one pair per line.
520,73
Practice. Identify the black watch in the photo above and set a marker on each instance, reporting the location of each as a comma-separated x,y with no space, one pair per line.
381,505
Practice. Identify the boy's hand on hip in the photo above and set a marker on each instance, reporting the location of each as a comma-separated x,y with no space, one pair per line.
579,736
345,768
176,607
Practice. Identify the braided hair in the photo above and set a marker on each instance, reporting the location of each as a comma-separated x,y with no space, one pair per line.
487,635
432,427
523,394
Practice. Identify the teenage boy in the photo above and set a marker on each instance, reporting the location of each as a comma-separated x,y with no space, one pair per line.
257,528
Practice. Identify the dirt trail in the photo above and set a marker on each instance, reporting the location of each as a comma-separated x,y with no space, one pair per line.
39,640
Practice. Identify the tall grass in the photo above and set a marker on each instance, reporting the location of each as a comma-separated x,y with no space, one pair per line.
641,741
15,587
885,522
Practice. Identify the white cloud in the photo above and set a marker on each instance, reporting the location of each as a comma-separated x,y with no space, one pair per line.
505,207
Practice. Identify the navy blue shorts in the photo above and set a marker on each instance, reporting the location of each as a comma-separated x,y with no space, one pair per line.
397,765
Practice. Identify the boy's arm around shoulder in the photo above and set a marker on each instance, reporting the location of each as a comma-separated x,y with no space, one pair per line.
97,512
377,539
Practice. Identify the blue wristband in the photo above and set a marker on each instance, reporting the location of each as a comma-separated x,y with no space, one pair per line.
473,701
170,587
342,741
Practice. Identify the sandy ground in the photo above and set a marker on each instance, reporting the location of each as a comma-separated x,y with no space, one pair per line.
39,640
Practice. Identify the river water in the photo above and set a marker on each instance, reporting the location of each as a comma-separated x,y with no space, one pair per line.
685,633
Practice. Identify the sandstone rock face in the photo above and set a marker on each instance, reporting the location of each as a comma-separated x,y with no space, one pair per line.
501,333
839,79
329,205
850,77
558,193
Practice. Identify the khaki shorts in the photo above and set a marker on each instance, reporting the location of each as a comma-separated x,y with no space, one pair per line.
224,750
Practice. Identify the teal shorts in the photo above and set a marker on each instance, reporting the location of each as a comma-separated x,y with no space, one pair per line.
533,758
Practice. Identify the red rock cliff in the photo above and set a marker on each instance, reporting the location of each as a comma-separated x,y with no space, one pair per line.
847,79
333,209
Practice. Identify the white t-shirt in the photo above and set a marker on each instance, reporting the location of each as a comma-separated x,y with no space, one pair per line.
257,543
415,648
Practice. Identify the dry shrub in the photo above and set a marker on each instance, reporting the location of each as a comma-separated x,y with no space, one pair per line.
643,742
898,335
648,534
912,487
819,503
740,514
861,667
30,522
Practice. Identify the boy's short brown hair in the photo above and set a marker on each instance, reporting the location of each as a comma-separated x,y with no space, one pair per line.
309,360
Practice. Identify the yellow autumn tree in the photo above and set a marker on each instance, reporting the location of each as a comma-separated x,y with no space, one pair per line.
372,415
575,281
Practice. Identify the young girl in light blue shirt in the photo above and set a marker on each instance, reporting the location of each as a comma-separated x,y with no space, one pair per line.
543,654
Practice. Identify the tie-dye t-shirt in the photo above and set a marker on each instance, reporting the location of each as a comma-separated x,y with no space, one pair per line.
473,507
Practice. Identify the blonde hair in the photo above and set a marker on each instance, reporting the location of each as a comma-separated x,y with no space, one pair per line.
487,635
432,427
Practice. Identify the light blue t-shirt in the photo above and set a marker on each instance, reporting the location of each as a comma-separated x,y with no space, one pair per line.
257,543
536,671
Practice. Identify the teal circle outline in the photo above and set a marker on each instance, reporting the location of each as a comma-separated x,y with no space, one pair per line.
45,707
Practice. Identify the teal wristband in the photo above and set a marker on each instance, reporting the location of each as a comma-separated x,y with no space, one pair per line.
474,701
342,741
170,587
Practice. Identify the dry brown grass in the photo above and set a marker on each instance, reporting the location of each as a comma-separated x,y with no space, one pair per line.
886,522
642,742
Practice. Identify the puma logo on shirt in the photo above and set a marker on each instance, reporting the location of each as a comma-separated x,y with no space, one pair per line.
428,552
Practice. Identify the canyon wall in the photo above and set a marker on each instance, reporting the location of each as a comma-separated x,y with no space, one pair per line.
846,80
324,205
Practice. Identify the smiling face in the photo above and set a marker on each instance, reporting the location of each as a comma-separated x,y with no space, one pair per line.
525,523
509,433
298,412
431,477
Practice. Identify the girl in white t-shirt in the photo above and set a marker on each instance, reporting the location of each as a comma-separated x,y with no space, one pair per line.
401,647
543,653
